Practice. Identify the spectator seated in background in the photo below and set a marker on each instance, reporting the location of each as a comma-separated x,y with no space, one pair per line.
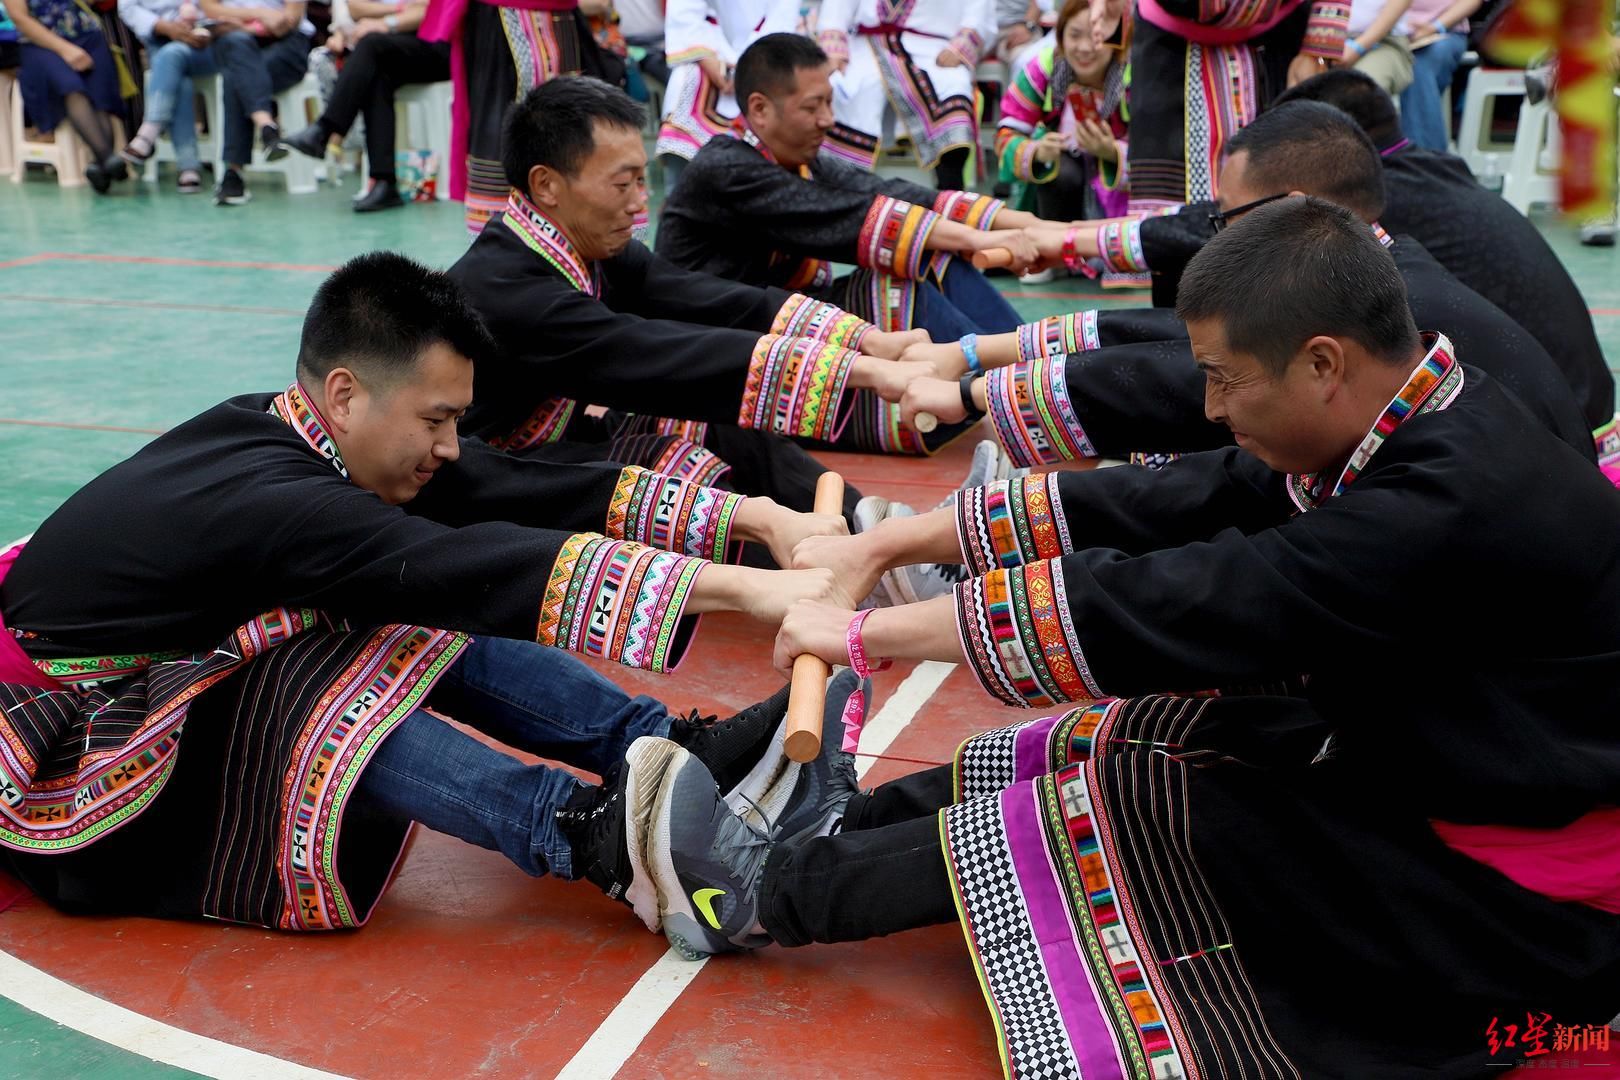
177,49
1377,42
383,54
704,39
261,47
916,60
1439,39
67,72
1063,126
1020,27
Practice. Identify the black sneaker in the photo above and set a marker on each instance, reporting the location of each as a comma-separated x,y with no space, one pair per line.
606,827
706,862
231,191
270,140
730,748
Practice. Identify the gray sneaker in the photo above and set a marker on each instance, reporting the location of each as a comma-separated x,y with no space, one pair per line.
823,787
706,862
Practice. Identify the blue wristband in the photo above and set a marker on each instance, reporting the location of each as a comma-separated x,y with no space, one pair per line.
970,349
1357,47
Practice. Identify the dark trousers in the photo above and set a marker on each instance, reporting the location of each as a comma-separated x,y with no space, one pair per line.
1068,195
371,76
883,873
253,70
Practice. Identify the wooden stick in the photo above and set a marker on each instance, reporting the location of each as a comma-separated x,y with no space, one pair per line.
925,422
808,694
992,259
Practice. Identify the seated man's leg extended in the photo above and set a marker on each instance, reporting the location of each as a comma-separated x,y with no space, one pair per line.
545,702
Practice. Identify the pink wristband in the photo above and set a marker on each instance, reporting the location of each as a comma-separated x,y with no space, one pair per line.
857,650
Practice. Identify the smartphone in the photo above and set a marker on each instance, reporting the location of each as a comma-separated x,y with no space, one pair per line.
1083,105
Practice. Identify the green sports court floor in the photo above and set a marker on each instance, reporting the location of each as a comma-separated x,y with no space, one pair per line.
121,316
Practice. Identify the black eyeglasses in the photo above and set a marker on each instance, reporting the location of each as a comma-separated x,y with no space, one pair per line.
1222,218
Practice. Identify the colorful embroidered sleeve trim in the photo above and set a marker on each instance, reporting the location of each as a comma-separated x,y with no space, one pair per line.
1116,174
691,55
619,600
820,321
1326,30
1035,421
967,44
894,238
1012,522
1015,152
1058,335
545,425
1120,245
796,387
967,208
835,43
1019,639
671,514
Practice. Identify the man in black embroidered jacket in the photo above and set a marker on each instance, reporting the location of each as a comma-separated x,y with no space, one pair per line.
1114,383
1251,881
284,580
772,208
586,315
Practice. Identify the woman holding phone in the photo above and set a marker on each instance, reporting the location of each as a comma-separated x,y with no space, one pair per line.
1063,124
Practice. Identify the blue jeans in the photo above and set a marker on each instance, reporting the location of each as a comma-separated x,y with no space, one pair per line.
254,72
542,701
1422,118
965,302
169,96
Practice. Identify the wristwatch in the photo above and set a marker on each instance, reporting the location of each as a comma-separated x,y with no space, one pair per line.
392,22
1033,27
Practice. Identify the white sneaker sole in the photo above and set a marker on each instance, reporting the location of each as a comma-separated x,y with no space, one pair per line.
649,760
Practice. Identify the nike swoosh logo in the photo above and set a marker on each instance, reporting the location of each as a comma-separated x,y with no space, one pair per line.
704,899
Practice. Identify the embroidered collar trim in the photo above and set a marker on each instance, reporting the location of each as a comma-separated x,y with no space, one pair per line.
1433,385
1382,236
753,140
542,236
296,409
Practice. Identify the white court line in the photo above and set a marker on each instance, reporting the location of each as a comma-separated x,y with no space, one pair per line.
87,1014
638,1012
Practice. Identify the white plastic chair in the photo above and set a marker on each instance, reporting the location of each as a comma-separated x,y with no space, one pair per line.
425,111
8,152
1532,172
1487,158
296,106
66,153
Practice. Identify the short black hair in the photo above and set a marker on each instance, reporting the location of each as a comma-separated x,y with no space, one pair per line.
1290,270
1352,92
379,312
555,125
1311,147
769,66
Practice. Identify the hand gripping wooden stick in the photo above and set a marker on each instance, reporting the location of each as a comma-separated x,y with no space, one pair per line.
807,696
992,258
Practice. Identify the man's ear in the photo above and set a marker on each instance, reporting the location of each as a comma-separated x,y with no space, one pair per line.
1326,355
343,393
544,182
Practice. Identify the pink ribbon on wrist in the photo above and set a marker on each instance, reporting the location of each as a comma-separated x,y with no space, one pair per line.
855,708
